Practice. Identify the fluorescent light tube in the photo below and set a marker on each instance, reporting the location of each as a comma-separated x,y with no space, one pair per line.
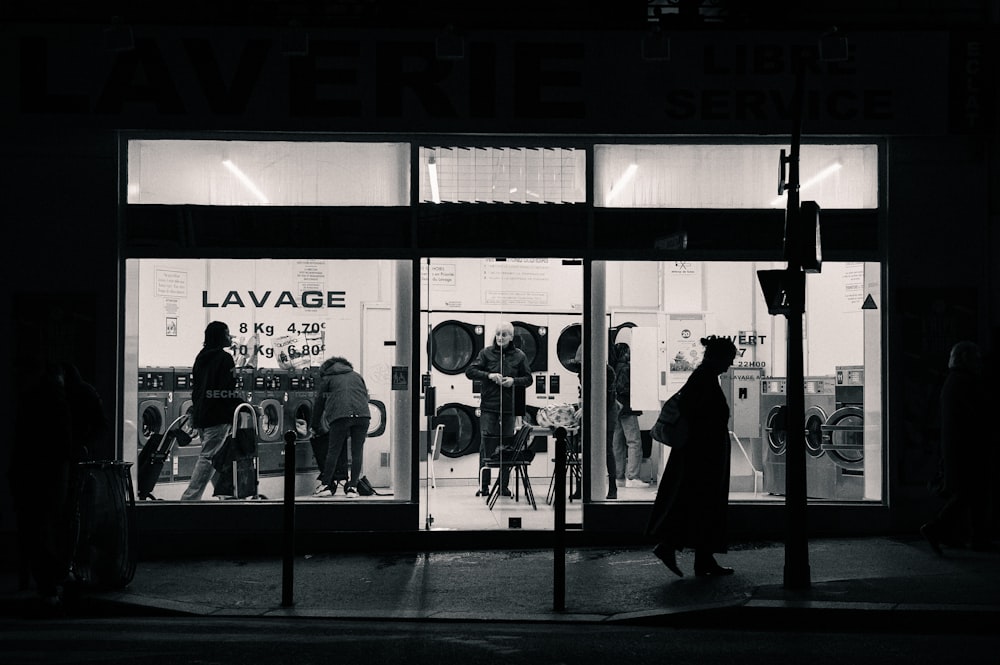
235,170
432,172
831,169
624,180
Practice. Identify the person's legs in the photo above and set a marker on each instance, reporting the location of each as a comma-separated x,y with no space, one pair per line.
629,428
359,432
612,424
619,449
489,437
507,429
212,439
339,431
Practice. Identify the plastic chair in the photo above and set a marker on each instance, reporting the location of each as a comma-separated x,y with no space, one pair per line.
515,460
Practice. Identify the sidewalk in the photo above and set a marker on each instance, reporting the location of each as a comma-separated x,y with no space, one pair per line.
867,580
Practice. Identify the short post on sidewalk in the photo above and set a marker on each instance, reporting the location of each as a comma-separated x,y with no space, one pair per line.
559,537
288,549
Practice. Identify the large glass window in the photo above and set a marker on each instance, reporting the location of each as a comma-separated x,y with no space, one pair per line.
287,319
270,173
731,176
655,313
470,432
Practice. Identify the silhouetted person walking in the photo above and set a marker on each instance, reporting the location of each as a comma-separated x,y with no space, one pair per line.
693,496
964,448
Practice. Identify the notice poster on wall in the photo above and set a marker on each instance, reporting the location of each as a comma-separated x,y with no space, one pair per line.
684,351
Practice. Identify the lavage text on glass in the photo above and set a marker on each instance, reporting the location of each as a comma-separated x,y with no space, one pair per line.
307,299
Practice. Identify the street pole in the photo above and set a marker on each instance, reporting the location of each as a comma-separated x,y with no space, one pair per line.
796,573
288,536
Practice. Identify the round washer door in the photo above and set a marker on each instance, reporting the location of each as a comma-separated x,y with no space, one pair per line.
815,419
301,416
152,419
376,426
270,422
567,343
454,345
464,441
776,426
844,438
534,341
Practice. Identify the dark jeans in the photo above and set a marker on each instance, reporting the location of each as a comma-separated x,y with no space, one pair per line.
492,428
340,430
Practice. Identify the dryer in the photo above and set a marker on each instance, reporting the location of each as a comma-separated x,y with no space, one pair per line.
820,403
773,419
155,402
270,390
844,433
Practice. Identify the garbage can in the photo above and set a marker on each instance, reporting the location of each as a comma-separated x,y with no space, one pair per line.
104,553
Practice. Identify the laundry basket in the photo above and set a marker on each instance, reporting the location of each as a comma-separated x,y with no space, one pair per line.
104,553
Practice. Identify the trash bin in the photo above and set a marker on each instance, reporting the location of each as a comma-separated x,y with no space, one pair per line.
104,553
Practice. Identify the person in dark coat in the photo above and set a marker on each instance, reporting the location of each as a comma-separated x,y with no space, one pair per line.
500,368
45,436
214,398
966,483
345,414
693,496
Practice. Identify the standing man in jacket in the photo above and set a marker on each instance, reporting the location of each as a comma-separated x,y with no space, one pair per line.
345,414
500,368
214,399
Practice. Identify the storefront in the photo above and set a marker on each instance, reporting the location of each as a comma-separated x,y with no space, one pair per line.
377,199
412,322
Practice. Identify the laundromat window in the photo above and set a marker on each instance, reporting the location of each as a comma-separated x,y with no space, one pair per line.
454,174
294,323
842,176
657,311
267,173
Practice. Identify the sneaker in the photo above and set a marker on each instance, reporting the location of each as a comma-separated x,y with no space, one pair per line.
635,482
351,493
323,491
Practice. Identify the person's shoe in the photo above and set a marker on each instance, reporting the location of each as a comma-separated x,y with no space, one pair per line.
620,481
351,492
323,492
505,492
711,569
613,492
935,544
635,482
669,558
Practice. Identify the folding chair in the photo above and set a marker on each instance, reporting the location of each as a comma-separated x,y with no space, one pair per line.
514,459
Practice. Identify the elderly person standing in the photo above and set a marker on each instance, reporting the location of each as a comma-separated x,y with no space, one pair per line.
500,367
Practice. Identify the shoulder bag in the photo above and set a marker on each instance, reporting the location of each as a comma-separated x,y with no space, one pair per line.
671,428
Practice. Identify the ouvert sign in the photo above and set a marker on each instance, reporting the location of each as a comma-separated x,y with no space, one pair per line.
528,81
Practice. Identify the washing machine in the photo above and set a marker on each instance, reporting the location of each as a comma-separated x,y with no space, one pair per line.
270,389
773,419
844,433
820,403
299,413
184,458
155,402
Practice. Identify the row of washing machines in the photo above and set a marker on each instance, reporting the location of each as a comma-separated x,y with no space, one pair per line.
453,341
834,434
285,400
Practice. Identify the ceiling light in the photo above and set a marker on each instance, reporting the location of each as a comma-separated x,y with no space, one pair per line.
624,180
235,170
432,172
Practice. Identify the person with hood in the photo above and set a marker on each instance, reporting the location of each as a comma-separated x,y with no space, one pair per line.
500,368
214,398
343,397
693,496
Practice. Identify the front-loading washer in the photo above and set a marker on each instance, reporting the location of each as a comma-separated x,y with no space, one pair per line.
270,389
299,407
155,408
774,422
844,433
820,403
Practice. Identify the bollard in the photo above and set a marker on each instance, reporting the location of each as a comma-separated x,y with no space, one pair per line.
288,550
559,539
